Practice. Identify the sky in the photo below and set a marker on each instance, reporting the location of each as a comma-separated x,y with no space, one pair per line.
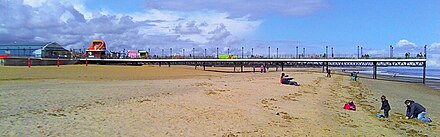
374,25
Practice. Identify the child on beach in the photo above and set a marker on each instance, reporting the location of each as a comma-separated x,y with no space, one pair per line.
385,106
261,68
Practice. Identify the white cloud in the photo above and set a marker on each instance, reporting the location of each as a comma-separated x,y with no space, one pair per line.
434,54
70,24
240,8
405,44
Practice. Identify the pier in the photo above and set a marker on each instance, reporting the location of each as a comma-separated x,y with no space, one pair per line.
324,63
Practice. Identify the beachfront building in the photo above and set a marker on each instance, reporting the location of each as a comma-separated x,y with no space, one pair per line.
97,49
35,50
132,54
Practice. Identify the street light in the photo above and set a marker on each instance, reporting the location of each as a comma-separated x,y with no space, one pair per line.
194,55
425,52
183,53
162,52
358,52
332,53
217,52
205,53
269,51
242,50
252,52
171,52
277,52
391,51
297,52
304,52
326,51
362,53
228,51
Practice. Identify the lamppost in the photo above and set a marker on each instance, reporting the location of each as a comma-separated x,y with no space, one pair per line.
194,55
358,52
304,52
362,53
277,53
332,53
425,52
252,52
297,52
326,52
162,52
228,51
217,52
205,53
171,52
183,53
269,51
242,51
391,51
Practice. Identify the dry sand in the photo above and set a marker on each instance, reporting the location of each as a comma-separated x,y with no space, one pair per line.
181,101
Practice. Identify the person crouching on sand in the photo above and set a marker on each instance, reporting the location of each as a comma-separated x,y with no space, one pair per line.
385,106
286,80
350,106
414,110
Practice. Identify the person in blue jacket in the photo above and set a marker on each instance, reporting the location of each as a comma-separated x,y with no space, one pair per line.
414,110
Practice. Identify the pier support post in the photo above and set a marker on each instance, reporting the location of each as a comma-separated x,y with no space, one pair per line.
169,64
323,67
253,67
234,66
327,67
282,66
276,67
204,66
160,64
424,72
374,70
241,66
195,65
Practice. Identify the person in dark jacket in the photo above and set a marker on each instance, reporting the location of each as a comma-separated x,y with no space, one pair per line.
286,80
414,110
385,106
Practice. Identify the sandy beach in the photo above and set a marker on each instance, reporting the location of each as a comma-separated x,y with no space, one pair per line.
180,101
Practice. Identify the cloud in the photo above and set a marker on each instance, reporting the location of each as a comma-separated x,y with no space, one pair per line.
68,23
240,8
434,54
405,44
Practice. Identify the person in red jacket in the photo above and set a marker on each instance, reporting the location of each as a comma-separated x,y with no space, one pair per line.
350,106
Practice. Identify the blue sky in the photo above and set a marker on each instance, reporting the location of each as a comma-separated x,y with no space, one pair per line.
200,24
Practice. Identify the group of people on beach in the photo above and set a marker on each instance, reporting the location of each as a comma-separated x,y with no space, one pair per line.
413,109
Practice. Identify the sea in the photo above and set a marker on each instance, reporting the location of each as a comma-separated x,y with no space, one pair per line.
432,73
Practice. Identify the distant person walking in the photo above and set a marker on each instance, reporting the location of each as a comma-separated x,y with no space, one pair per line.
385,106
414,110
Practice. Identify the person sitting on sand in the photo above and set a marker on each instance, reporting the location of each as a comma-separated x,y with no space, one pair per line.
286,80
350,106
385,106
414,110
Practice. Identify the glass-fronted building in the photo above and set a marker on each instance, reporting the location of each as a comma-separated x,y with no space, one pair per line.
37,50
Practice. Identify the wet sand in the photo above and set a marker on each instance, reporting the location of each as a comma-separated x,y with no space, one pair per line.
181,101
